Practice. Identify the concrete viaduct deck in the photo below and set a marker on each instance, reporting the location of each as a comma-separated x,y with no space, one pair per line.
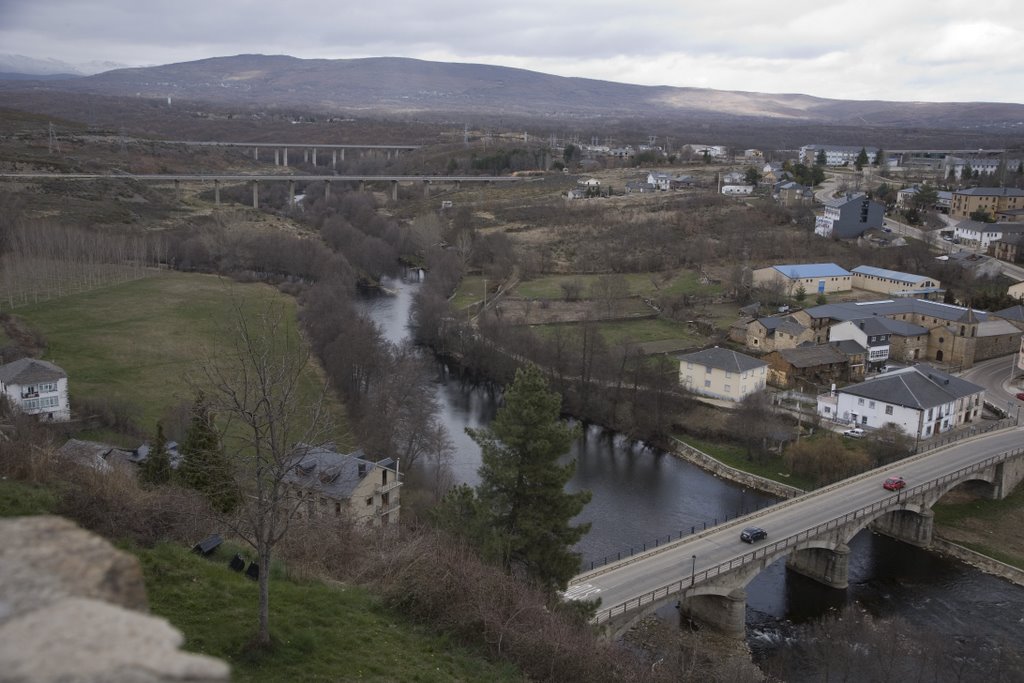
256,179
309,150
707,573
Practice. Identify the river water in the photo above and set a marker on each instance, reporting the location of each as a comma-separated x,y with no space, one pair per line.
641,494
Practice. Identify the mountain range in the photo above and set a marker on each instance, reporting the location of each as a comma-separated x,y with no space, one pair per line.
394,85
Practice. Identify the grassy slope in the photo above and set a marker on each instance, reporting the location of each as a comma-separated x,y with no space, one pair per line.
324,632
138,341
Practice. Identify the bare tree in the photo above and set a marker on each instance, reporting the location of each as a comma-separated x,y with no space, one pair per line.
269,415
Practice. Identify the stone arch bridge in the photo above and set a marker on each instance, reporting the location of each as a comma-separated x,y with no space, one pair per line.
707,573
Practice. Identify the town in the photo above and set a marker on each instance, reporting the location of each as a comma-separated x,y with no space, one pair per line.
594,404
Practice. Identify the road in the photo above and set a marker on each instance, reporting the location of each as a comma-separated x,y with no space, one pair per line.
229,177
627,580
994,374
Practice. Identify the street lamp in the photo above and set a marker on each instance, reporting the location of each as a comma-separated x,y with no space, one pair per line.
693,570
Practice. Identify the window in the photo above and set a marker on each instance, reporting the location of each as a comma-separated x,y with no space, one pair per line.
369,501
888,410
707,384
707,370
728,388
871,404
689,366
728,375
337,508
860,401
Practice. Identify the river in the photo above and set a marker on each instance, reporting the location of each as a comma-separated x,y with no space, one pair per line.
641,494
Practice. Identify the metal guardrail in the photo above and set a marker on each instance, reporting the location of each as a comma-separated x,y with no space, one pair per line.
794,539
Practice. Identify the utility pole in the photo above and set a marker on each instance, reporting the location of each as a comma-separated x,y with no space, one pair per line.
53,142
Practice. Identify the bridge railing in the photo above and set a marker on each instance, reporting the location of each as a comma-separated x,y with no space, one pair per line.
775,547
961,434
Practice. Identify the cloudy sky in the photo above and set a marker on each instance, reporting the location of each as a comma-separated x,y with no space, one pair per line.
932,50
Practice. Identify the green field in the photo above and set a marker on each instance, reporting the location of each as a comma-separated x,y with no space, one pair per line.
138,342
470,290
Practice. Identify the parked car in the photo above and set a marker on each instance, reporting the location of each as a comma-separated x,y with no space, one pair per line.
894,484
753,534
855,433
1020,395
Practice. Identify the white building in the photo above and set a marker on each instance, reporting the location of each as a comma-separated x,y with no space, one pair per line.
979,234
921,400
737,190
721,373
836,155
870,333
36,387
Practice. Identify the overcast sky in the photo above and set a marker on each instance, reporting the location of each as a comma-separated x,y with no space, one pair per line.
932,50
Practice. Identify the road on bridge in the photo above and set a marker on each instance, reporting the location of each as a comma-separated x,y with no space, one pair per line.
628,580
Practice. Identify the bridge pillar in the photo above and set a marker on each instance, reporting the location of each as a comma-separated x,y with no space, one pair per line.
426,189
177,190
327,189
726,614
216,192
343,154
908,526
314,156
256,153
291,194
824,565
1009,474
394,190
285,156
362,186
277,157
334,158
255,194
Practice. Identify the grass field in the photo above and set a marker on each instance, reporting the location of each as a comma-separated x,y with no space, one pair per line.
136,343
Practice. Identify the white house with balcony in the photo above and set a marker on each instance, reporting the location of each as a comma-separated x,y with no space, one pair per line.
921,400
871,333
331,484
36,387
722,373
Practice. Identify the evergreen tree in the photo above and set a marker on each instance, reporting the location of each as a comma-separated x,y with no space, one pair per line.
879,157
204,465
156,469
821,159
862,159
521,496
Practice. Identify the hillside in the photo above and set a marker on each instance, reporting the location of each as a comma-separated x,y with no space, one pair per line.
408,86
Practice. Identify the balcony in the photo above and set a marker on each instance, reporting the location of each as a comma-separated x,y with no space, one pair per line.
388,487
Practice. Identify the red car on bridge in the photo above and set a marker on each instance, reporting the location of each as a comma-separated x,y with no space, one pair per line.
894,484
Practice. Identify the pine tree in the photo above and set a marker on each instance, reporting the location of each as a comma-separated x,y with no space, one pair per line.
862,159
204,465
820,159
156,469
522,487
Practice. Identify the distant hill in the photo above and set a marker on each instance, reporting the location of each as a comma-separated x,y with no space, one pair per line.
393,85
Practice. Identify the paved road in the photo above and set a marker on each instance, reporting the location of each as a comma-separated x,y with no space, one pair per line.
994,374
627,580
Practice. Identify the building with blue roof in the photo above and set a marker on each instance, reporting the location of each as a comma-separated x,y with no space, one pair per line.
814,278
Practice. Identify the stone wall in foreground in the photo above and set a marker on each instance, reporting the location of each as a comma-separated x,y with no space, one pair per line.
73,609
